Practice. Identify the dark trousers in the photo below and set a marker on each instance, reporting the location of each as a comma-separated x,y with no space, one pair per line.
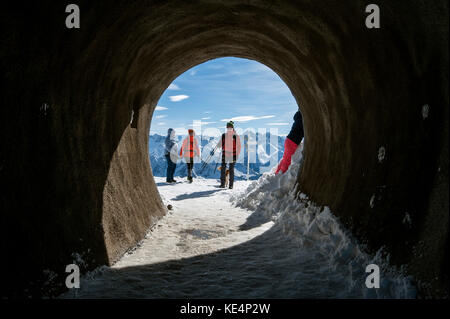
171,166
189,169
223,171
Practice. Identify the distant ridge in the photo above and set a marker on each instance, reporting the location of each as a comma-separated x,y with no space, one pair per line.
159,165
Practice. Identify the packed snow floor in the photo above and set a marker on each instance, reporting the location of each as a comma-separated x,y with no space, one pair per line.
255,241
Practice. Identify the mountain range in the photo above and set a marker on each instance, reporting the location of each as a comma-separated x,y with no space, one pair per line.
261,159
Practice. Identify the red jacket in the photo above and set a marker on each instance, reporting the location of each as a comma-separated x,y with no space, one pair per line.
190,146
231,145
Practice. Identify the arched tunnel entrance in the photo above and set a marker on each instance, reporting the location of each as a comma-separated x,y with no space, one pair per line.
74,161
204,99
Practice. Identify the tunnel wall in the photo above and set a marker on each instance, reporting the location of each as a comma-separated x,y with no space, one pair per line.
78,103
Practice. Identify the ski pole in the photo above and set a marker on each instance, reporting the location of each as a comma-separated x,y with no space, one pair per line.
217,163
211,155
208,159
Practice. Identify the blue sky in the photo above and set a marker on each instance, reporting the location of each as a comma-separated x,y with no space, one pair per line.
213,92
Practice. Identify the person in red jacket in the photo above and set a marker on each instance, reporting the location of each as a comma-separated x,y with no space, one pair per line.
291,143
230,144
189,150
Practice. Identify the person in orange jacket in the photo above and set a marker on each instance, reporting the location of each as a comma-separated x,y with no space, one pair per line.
189,150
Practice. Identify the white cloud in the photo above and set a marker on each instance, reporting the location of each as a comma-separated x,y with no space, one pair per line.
206,118
207,112
160,116
178,98
160,108
193,72
161,123
266,117
173,87
278,124
206,123
247,118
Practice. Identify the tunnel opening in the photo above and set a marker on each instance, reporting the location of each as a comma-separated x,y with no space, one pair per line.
205,98
336,112
98,80
274,50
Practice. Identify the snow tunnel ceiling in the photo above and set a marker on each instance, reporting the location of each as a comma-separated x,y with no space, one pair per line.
78,166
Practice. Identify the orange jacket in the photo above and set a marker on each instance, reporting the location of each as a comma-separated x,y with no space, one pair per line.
190,147
231,145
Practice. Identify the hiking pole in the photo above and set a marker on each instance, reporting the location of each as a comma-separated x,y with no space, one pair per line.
211,154
203,167
208,159
217,164
205,162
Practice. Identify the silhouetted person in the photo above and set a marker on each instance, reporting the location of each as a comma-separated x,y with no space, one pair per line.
171,153
231,148
189,150
291,143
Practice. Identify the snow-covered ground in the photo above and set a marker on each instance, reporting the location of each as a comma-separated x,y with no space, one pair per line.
256,241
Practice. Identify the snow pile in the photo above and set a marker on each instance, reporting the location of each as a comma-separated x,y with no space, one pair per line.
272,194
320,236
